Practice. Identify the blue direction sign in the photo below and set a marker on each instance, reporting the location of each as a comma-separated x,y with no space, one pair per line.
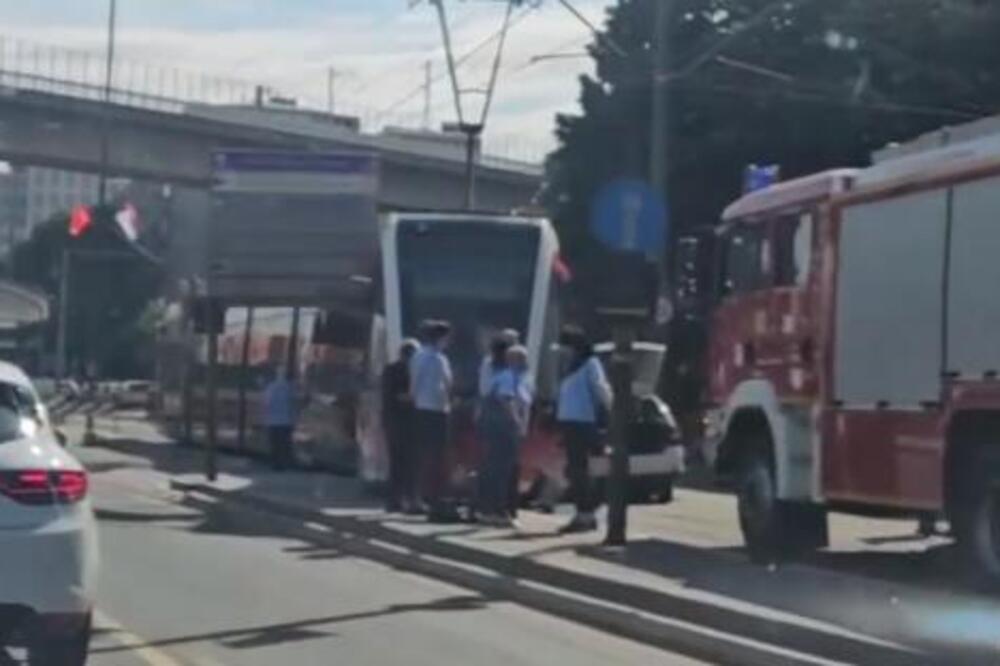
628,215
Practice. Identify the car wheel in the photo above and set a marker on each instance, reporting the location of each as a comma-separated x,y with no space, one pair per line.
979,527
665,494
62,651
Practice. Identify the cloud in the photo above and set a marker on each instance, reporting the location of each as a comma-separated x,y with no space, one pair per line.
377,47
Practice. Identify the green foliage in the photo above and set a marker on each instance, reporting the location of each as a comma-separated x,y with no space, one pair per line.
833,81
110,293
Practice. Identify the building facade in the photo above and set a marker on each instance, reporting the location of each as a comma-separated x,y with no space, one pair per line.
13,206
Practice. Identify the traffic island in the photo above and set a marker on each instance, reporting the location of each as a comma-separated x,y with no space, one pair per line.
574,578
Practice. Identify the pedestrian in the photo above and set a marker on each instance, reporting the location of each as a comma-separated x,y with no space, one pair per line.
493,365
430,389
517,361
489,366
506,412
583,391
397,423
279,418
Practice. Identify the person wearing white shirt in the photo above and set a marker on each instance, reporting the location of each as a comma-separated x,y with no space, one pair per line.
430,389
582,393
491,363
492,366
279,418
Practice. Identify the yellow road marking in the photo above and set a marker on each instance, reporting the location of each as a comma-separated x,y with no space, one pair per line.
137,645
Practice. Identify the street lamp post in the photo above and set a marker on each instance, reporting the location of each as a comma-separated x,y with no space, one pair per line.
109,64
102,189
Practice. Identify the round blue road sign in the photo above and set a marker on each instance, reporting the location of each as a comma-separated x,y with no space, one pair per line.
629,215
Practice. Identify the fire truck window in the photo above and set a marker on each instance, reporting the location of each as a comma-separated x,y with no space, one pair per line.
792,250
745,259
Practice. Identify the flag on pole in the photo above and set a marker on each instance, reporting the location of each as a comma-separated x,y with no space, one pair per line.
80,220
128,221
562,270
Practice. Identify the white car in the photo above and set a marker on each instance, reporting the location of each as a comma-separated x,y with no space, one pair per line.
48,536
134,393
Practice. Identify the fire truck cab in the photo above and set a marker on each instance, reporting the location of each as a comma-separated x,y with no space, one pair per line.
854,353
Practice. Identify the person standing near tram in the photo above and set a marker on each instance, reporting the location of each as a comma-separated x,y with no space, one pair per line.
430,389
583,392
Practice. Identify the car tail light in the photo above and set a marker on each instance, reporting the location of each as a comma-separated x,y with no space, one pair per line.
39,487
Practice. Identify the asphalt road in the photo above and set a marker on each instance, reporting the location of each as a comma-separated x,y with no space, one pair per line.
180,586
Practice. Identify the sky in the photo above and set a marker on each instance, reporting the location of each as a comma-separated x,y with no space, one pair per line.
377,47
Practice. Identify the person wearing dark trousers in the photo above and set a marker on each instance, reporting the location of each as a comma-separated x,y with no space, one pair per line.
493,365
430,389
279,418
397,423
505,423
583,391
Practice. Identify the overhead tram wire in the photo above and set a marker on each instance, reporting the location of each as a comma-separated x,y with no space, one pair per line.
599,36
494,36
815,97
390,69
554,53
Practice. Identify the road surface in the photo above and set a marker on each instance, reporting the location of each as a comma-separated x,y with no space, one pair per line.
180,587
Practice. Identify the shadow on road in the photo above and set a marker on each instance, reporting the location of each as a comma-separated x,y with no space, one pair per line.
299,630
117,516
310,551
815,610
321,489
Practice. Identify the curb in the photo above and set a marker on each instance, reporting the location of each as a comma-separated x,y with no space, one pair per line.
698,629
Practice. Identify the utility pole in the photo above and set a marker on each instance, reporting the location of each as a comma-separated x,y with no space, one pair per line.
428,82
211,425
61,332
659,120
241,405
624,333
292,353
473,131
331,86
621,417
109,64
473,134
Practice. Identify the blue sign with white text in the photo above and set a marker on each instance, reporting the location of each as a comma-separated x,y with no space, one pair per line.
629,215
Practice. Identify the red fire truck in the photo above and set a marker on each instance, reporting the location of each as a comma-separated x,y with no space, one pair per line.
855,347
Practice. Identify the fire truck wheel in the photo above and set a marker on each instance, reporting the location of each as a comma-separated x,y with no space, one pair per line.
759,511
979,532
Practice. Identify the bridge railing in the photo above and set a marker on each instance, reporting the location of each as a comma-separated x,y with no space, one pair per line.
27,65
32,66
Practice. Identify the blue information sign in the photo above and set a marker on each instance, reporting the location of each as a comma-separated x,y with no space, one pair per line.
628,215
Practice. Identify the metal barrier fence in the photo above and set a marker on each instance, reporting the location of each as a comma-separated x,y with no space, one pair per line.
77,73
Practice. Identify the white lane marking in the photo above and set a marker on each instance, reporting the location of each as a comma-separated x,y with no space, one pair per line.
317,527
136,645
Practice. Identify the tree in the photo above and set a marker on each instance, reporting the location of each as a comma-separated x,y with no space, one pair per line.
111,291
805,84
